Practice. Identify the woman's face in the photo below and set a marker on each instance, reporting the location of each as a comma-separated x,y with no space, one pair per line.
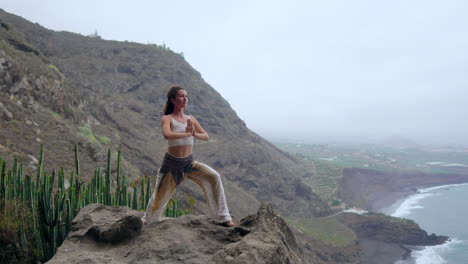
181,99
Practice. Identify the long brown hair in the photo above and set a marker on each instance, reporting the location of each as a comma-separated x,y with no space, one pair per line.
171,94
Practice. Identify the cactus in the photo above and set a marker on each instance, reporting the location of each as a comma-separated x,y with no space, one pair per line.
39,166
53,207
2,185
107,200
142,194
13,179
174,207
123,190
23,239
61,180
27,185
72,191
49,207
77,178
135,199
77,161
147,193
98,185
118,192
129,200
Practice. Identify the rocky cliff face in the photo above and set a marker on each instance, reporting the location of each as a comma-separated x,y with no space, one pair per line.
384,239
390,229
102,234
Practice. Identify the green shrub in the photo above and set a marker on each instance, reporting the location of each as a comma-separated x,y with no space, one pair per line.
104,140
335,202
9,251
16,238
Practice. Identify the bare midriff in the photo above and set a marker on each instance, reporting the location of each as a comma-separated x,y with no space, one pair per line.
180,151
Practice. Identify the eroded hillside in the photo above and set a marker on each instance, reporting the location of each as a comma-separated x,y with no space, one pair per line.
59,88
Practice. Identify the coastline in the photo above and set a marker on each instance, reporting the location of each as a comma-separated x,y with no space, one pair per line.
375,190
380,191
403,206
399,198
392,201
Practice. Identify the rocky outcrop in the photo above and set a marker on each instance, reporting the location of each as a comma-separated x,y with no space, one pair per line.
105,223
4,113
103,234
384,239
390,229
30,81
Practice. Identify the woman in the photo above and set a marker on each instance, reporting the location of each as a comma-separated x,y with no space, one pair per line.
179,129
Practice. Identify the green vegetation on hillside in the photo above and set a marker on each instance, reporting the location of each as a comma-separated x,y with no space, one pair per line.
385,158
327,229
391,219
87,133
321,176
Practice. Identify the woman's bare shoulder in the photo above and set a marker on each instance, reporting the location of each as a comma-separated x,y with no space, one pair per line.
165,118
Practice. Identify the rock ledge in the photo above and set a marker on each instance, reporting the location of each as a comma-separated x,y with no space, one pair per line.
104,234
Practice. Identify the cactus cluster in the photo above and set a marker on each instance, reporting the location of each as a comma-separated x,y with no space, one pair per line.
46,207
174,208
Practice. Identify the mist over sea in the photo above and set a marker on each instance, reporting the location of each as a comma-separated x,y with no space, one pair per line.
442,210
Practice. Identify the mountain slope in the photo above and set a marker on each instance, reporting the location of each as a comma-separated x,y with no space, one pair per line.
63,88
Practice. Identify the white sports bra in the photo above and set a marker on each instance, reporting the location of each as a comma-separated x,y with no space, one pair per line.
177,126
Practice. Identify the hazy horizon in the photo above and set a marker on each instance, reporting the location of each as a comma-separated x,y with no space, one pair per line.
343,71
359,139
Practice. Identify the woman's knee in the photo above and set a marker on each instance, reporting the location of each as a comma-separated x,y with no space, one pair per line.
208,171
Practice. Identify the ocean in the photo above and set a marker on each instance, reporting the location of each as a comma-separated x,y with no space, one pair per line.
442,210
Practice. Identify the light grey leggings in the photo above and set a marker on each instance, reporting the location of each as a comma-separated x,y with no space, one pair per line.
203,175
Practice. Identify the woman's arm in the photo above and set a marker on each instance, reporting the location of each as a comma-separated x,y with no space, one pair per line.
168,133
199,132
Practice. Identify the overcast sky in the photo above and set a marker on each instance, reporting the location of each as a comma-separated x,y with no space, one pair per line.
321,70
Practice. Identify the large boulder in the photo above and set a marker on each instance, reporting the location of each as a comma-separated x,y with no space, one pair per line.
103,234
105,224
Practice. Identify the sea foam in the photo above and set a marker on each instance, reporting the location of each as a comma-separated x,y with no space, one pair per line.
433,254
410,204
428,254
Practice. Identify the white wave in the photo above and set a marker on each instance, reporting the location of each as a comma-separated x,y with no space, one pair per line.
454,165
430,254
434,254
425,190
445,164
434,162
410,204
